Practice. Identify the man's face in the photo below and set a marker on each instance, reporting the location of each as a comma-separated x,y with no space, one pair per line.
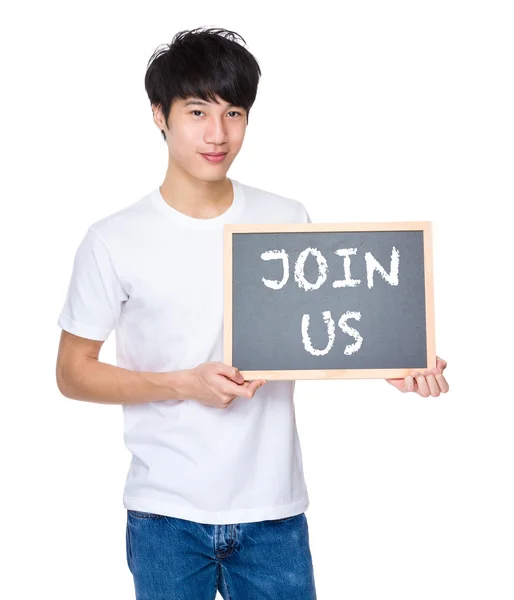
198,127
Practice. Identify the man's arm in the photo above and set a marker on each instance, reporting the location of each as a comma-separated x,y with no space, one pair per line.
81,376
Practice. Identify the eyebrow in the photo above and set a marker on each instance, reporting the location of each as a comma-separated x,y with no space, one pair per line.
202,102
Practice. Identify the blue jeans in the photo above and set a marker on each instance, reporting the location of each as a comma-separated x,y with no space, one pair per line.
177,559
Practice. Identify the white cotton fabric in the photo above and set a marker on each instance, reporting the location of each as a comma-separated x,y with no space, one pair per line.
155,276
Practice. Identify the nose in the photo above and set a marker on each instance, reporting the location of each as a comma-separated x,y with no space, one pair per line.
216,132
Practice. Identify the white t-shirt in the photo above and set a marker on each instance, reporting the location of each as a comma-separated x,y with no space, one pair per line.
155,276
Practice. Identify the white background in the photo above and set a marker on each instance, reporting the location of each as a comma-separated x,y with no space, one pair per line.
366,111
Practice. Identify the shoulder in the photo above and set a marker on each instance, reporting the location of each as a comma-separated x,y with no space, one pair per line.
125,223
277,206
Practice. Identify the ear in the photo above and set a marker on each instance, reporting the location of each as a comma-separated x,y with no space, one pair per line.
158,117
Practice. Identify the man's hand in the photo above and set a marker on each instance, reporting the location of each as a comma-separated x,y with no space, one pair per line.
216,384
428,383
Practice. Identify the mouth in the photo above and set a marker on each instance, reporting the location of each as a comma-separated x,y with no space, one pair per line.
214,157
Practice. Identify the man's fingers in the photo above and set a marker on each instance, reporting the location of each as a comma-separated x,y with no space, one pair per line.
433,385
232,373
423,389
245,390
443,384
234,389
253,386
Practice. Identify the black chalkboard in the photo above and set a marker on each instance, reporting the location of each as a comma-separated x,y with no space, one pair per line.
332,300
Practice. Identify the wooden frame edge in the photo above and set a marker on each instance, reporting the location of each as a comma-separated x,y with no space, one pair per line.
322,227
227,296
330,374
429,295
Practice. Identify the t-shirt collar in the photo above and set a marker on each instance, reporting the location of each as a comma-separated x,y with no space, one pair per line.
194,223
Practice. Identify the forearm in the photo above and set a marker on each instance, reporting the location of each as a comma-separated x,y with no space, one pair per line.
95,381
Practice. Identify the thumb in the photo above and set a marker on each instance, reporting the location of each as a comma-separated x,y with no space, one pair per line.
253,386
399,384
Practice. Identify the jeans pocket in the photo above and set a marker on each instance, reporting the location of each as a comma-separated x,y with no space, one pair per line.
144,515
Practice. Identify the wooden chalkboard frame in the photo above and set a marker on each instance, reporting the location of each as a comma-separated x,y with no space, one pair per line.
425,226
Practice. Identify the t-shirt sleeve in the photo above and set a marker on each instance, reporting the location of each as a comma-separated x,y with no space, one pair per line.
305,215
95,295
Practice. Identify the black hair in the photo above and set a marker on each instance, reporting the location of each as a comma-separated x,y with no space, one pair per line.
203,63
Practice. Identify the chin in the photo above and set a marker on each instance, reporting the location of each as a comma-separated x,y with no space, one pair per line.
218,176
207,178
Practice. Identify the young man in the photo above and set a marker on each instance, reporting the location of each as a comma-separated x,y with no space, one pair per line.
215,499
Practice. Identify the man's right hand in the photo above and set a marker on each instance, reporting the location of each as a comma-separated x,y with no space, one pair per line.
217,384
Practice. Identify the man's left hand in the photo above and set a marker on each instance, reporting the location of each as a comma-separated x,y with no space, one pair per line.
430,382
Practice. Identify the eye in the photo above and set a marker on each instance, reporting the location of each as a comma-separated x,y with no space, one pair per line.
231,111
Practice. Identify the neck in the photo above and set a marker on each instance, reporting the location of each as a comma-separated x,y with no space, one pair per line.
195,197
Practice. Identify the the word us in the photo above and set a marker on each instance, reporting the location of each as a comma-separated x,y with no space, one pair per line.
331,330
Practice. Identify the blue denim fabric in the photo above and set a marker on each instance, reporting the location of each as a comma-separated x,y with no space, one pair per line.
177,559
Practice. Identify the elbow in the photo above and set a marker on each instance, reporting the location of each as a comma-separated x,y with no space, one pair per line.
62,383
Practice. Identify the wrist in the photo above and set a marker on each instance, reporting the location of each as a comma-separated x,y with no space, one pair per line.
178,383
